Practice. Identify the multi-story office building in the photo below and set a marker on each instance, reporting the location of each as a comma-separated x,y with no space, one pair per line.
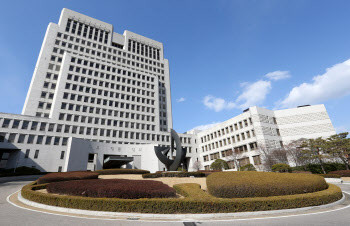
102,99
239,138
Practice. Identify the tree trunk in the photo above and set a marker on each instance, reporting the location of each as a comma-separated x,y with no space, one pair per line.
346,163
322,167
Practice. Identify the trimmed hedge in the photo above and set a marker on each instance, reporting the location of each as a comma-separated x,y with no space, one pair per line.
329,175
208,172
342,173
113,188
21,171
189,204
262,184
121,171
173,174
67,176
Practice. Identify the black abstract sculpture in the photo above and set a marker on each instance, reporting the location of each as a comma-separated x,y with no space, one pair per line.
161,152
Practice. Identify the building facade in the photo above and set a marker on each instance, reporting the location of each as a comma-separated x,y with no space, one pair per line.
98,97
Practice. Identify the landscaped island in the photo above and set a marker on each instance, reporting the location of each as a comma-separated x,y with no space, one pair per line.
227,192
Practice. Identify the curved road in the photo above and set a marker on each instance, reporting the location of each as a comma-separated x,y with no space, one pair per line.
12,215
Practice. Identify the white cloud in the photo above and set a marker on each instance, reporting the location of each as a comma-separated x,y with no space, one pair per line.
217,104
278,75
253,94
207,126
182,99
334,83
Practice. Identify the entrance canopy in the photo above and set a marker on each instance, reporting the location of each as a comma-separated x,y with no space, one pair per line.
116,161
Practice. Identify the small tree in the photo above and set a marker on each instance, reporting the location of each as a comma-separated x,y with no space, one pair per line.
197,165
338,146
315,149
295,153
219,164
248,167
281,168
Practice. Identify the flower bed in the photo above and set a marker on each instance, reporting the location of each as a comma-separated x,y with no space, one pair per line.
113,188
121,171
342,173
67,176
262,184
173,174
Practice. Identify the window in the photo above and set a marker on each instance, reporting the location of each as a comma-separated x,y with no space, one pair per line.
62,154
2,137
57,141
21,138
6,123
30,139
60,169
36,155
25,124
40,140
48,140
15,124
27,154
34,125
12,137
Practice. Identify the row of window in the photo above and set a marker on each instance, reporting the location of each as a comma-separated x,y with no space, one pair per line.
87,31
227,129
33,139
109,49
152,68
143,49
69,129
229,140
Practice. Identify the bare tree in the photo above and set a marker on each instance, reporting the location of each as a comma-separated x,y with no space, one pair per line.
270,156
235,156
197,165
295,153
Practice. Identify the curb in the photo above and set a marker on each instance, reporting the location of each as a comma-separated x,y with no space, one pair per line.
178,217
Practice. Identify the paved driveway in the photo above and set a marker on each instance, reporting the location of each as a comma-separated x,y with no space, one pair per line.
12,215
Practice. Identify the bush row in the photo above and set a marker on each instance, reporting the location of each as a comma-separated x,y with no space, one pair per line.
316,168
67,176
113,188
186,205
329,175
208,172
342,173
121,171
262,184
173,174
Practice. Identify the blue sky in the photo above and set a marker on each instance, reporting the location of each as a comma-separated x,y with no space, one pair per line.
224,55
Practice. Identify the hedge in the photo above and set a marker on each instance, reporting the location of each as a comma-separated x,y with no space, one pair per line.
316,168
67,176
173,174
189,204
121,171
329,175
113,188
262,184
208,172
342,173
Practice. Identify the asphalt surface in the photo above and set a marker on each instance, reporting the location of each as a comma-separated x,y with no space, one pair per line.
12,215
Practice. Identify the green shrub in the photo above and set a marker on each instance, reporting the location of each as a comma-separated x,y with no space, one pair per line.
208,172
173,174
316,168
121,171
219,164
281,168
67,176
195,201
329,175
262,184
342,173
248,167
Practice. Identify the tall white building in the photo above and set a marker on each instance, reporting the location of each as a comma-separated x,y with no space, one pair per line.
102,99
